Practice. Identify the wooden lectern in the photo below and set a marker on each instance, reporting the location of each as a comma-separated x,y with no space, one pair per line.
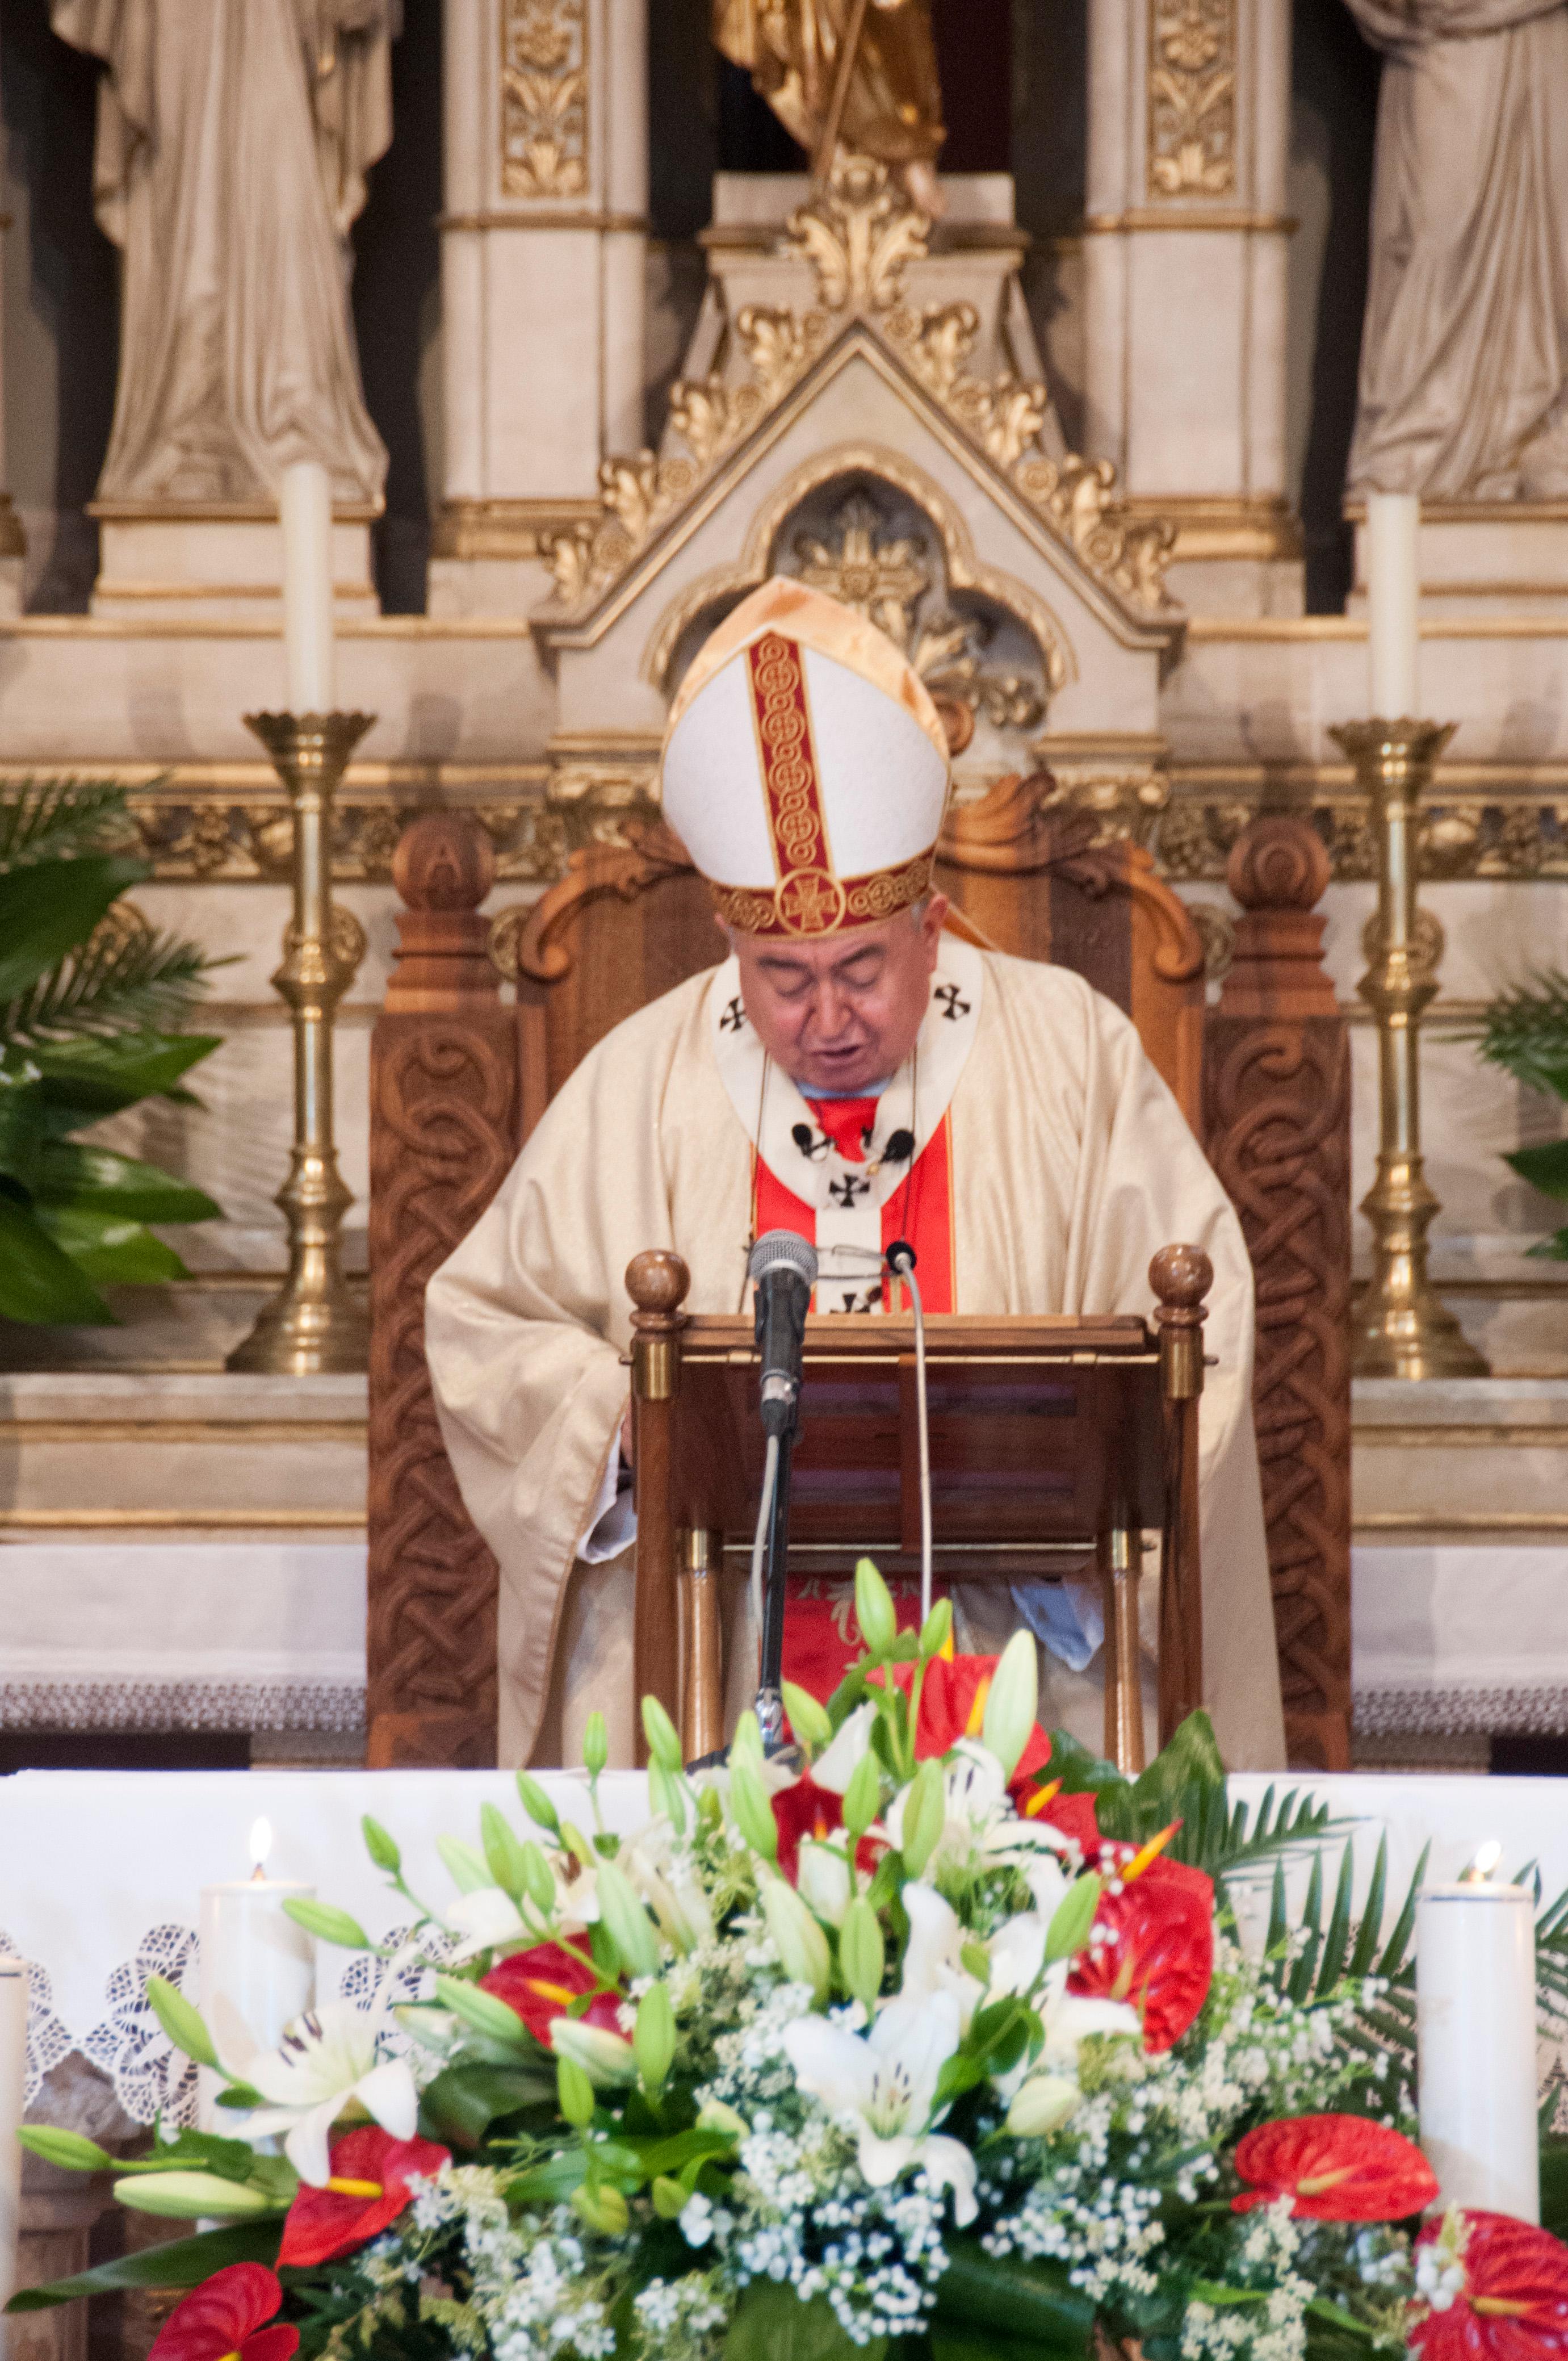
1050,1439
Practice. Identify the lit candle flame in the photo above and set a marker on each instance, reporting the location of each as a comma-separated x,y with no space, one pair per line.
260,1845
1485,1862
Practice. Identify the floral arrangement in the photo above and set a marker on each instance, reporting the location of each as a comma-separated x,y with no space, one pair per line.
916,2039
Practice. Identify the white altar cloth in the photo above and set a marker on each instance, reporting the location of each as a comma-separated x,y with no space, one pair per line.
101,1872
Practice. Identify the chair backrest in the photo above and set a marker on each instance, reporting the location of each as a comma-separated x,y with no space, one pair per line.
1024,875
459,1080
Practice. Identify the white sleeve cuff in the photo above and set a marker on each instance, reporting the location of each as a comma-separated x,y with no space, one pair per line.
612,1520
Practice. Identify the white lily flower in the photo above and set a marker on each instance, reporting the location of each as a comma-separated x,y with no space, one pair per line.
326,2067
933,1958
1068,2020
822,1880
577,1889
840,1758
485,1918
882,2087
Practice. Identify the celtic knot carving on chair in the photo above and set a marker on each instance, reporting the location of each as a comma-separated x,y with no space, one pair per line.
442,1091
1279,1129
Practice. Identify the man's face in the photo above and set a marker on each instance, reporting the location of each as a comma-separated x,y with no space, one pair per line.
842,1013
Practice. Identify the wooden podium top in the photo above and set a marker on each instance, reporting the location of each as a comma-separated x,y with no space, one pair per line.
1044,1432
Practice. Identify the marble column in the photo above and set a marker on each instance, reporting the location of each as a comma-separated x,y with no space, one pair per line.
543,246
1185,285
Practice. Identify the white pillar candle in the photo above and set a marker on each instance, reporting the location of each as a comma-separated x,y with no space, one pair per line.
12,2101
1475,2044
1393,591
258,1970
306,509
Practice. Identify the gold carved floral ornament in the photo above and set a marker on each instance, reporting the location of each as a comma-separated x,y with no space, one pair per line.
859,235
1192,98
544,98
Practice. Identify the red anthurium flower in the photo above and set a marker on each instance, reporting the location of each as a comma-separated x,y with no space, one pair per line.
804,1809
225,2316
1151,1943
1489,2289
1042,1799
368,2188
542,1982
1335,2168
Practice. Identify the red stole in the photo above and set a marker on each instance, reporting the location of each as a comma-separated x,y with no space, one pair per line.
821,1640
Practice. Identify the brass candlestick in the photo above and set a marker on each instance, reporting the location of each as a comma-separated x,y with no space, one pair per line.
1401,1328
315,1322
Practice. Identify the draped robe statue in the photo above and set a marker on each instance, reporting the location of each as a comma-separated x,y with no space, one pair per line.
893,109
234,140
1464,389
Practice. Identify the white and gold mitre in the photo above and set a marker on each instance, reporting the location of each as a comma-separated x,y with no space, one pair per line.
806,768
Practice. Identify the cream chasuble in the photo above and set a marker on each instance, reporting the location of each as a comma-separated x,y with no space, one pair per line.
1071,1165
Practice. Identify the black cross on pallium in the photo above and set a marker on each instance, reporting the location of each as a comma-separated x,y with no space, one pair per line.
734,1017
810,1143
953,1006
845,1191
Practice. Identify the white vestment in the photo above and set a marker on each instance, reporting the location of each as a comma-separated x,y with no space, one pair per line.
1071,1166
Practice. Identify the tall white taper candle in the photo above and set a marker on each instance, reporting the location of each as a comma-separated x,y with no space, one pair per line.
258,1970
305,506
1475,2044
13,2100
1393,595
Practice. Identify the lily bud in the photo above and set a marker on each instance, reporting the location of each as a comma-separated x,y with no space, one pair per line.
822,1880
863,1796
862,1952
937,1630
575,2093
537,1804
596,1744
874,1611
603,2209
1042,2106
663,1739
750,1807
808,1718
716,2116
1014,1700
606,2059
801,1945
925,1816
537,1881
189,2196
626,1922
654,2037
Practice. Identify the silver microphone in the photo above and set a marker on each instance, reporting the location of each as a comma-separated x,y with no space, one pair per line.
785,1269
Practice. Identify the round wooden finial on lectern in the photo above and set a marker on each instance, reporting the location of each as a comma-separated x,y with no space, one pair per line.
1181,1277
657,1282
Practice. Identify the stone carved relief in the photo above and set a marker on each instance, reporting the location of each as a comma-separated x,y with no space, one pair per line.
1278,1132
1192,98
544,98
858,235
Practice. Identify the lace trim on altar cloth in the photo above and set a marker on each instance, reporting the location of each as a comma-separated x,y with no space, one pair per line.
131,2048
1522,1712
231,1705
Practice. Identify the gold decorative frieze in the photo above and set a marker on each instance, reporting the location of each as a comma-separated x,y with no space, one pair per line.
858,236
544,98
1192,98
219,842
1510,838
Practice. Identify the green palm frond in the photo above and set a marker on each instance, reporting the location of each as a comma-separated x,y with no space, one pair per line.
123,980
61,820
1525,1031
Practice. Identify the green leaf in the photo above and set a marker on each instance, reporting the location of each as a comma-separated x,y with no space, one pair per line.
83,1079
1004,2296
1545,1168
61,818
39,1282
1371,1926
465,2100
181,2263
770,2324
22,1130
72,1174
1336,1942
332,1925
108,1249
1399,1942
49,907
183,2024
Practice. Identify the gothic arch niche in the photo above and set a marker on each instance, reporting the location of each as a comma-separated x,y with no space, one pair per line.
989,652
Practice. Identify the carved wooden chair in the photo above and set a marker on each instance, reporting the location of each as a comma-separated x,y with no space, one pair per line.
458,1080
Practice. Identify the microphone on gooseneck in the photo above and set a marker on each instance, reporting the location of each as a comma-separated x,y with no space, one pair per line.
784,1268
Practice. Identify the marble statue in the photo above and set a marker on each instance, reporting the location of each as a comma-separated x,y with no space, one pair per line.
1464,388
892,108
234,140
